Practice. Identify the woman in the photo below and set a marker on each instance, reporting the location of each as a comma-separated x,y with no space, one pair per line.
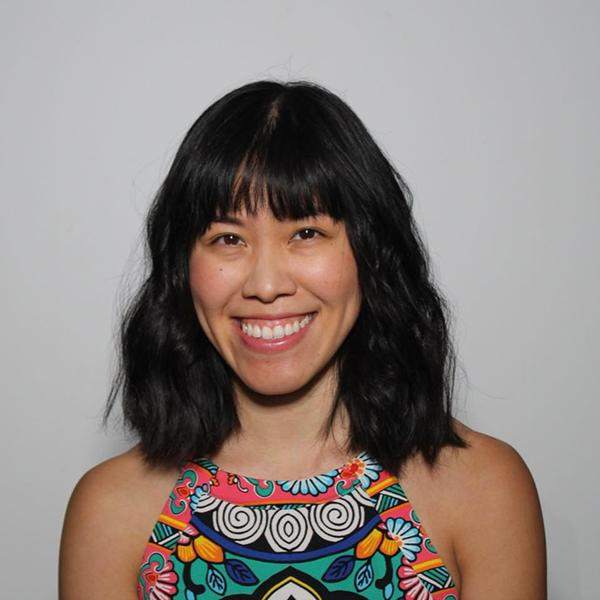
287,368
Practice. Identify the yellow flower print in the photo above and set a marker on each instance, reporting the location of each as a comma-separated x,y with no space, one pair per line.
202,547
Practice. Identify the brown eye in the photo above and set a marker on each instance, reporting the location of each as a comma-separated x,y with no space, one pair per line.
310,231
229,239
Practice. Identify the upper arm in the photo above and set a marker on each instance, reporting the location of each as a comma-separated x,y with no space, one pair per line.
104,533
499,542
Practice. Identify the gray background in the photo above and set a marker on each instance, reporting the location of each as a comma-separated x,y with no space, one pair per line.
489,109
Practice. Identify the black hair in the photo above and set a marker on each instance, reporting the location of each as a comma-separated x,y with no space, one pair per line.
311,154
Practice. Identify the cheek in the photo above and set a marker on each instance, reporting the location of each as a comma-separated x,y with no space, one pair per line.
210,285
334,275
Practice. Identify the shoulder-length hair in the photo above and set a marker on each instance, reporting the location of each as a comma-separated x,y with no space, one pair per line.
309,154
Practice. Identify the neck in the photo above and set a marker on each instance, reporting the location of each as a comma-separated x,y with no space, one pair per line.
286,434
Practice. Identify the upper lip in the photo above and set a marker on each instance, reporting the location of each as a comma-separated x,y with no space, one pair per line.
274,317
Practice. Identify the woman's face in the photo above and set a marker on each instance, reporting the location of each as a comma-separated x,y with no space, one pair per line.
254,282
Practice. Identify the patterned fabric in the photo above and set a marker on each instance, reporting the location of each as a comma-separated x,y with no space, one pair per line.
349,533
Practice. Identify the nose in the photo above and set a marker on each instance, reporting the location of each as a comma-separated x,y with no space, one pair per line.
269,275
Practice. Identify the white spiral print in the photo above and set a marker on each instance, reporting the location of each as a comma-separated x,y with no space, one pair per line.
335,520
288,530
241,524
202,503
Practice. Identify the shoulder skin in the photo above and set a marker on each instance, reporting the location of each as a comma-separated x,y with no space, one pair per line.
109,517
481,507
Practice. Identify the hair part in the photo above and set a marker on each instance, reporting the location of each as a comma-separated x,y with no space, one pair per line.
301,150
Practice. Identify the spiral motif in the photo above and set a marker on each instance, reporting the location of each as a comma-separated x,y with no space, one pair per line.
335,520
288,530
241,524
202,502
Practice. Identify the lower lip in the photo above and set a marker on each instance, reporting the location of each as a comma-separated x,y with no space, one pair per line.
275,345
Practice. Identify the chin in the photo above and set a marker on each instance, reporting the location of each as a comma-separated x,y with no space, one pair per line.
274,388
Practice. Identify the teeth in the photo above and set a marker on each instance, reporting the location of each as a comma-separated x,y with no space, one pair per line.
277,332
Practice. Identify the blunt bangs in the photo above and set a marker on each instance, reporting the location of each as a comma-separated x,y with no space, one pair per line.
293,183
292,147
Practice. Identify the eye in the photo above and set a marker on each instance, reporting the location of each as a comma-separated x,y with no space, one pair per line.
229,239
310,230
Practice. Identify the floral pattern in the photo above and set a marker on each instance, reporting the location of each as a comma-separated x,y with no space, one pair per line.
365,468
157,580
406,535
348,533
312,485
412,585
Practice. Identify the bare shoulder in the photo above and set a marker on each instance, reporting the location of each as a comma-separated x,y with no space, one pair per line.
108,519
488,515
487,466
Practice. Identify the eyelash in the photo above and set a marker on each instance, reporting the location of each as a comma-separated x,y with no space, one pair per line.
223,235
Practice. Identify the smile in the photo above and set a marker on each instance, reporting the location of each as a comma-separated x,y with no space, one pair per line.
284,328
275,336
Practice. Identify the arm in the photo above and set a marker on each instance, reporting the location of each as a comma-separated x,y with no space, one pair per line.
109,517
499,533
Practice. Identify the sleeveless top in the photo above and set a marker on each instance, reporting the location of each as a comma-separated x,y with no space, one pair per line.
348,533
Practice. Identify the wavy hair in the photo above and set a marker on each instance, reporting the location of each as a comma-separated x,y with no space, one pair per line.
310,154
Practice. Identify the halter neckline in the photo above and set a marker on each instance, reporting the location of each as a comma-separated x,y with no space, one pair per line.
359,471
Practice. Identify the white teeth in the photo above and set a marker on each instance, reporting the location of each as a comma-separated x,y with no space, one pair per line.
277,332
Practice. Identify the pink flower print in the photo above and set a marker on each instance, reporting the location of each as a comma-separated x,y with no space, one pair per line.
157,579
411,584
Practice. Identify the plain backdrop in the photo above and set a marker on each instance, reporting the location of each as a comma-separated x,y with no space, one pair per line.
489,110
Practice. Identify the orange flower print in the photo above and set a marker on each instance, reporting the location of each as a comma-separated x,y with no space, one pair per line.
399,535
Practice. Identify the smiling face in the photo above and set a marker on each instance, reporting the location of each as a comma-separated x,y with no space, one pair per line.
275,298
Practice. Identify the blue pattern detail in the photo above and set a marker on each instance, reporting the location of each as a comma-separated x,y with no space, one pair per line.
339,569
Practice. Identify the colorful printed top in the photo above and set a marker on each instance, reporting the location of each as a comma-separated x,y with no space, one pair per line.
348,533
